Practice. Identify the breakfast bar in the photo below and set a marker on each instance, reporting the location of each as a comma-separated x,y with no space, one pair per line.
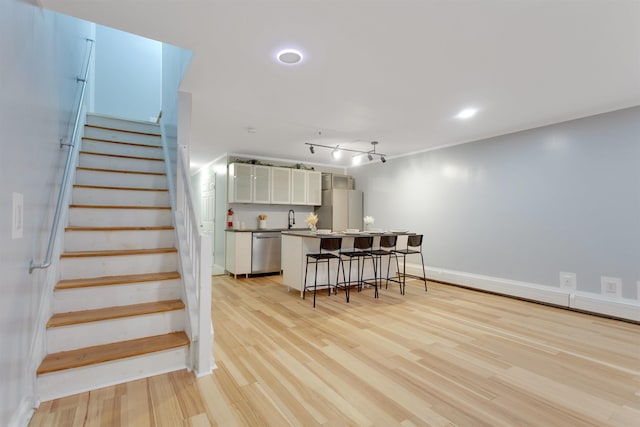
297,244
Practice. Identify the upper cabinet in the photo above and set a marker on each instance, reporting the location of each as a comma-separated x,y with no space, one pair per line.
314,188
275,185
281,186
261,184
240,183
299,187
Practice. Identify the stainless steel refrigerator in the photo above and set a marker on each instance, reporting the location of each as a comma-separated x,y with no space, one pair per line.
340,209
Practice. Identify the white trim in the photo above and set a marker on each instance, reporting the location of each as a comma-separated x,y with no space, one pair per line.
591,302
622,308
23,413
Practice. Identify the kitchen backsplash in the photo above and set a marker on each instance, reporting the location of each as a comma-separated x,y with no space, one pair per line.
277,215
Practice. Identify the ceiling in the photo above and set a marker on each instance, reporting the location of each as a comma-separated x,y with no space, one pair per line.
393,71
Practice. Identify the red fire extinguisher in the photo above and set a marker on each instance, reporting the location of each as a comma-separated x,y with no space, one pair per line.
230,218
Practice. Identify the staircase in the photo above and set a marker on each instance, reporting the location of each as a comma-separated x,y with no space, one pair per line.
118,311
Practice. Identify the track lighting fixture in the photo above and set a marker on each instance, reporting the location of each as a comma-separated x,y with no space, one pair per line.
336,152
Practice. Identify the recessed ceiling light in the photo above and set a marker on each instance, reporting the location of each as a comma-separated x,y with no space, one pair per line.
289,56
467,113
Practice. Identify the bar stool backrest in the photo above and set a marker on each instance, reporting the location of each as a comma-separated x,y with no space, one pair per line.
330,244
363,242
388,241
414,241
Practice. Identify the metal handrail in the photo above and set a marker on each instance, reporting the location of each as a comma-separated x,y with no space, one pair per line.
67,168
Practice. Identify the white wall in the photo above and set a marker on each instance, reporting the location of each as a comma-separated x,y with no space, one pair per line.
524,206
41,53
128,75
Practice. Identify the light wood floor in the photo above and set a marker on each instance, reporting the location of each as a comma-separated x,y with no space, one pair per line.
449,357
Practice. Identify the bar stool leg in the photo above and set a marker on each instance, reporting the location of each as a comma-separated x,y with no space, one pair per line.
304,287
424,273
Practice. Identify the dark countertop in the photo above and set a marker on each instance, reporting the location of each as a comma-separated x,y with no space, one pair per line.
260,230
307,233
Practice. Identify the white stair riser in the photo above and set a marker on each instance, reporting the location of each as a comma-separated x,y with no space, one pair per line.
72,337
120,163
78,380
66,300
121,149
116,123
110,197
99,266
118,240
121,136
120,179
103,217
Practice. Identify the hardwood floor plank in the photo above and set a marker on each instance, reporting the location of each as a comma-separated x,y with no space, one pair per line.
449,357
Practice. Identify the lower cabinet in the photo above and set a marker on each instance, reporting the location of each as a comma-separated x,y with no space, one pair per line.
238,252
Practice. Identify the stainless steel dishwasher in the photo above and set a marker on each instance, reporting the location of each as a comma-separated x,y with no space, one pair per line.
265,252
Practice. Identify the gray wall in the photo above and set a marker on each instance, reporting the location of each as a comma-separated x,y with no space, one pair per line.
128,75
523,206
41,53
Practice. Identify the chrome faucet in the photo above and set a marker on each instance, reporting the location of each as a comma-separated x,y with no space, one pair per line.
291,218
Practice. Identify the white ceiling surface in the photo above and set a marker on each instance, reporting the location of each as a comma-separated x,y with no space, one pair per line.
391,70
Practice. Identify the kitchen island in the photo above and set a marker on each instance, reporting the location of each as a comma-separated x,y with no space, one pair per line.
297,244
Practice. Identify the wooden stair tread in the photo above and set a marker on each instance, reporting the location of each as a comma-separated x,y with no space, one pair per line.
120,171
115,280
135,144
108,352
122,156
108,313
119,207
104,187
117,252
124,130
142,228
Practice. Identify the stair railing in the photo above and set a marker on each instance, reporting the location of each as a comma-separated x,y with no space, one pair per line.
196,270
73,148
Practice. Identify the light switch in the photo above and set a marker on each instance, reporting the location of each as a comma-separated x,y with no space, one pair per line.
17,225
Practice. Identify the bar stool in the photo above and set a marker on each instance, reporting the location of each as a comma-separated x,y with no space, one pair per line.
385,248
362,246
414,246
329,249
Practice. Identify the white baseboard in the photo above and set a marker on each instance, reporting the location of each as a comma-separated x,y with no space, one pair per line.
622,308
23,414
584,301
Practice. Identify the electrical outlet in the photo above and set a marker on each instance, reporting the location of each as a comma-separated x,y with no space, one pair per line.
568,281
17,226
611,286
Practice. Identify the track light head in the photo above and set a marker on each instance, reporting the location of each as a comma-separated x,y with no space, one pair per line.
313,150
382,159
336,153
369,156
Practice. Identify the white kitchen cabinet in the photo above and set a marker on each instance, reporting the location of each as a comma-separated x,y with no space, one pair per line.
240,183
276,185
261,184
281,186
298,187
314,188
238,252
